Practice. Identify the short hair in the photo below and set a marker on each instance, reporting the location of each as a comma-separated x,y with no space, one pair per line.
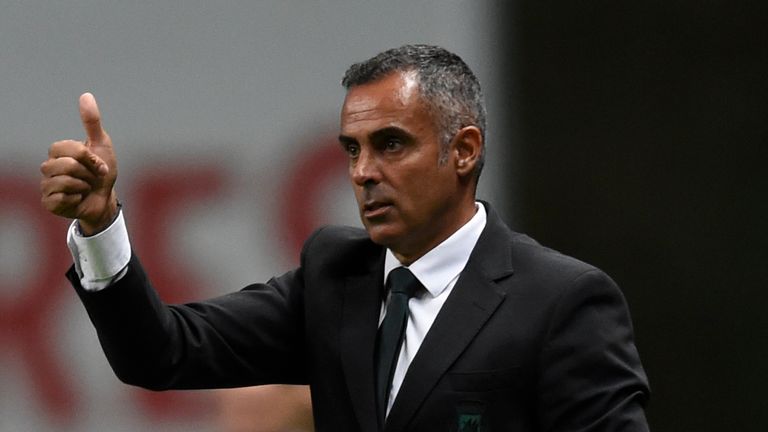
447,86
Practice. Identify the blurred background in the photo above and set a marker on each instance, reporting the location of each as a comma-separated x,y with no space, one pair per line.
628,134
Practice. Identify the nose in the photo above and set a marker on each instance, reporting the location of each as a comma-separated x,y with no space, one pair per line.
364,168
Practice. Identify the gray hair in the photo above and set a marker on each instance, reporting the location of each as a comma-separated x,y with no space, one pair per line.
447,86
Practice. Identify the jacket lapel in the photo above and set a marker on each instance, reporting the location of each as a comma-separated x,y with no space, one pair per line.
473,301
362,305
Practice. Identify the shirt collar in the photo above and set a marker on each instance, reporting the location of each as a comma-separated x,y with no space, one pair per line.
441,265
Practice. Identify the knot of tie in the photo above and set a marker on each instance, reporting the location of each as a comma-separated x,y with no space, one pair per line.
402,281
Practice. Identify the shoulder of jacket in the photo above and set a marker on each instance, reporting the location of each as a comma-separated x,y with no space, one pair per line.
527,253
339,247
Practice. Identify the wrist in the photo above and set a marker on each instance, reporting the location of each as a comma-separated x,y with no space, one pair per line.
104,220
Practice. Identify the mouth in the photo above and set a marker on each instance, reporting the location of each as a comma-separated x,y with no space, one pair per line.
374,209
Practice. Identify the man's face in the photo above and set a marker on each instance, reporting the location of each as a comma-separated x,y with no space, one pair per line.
408,200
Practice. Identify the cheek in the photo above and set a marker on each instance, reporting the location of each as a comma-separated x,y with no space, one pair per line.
417,197
431,193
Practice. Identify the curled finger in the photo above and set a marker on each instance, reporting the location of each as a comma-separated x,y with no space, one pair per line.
66,166
64,184
79,151
62,204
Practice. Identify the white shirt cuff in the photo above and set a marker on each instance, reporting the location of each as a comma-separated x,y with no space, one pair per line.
102,259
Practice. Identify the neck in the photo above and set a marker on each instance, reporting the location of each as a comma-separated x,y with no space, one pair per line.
408,255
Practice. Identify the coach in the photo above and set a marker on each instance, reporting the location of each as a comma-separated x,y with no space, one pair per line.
436,317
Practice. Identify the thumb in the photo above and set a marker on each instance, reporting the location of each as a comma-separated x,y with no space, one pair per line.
89,115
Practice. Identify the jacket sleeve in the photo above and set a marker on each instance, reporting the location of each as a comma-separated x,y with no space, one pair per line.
590,376
250,337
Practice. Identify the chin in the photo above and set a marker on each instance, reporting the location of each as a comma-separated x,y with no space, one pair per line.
382,234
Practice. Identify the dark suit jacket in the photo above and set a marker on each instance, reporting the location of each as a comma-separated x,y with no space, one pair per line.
529,340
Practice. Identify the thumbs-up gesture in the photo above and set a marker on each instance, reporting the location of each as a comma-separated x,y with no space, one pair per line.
79,177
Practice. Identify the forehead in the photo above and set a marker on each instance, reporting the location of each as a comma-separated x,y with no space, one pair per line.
391,100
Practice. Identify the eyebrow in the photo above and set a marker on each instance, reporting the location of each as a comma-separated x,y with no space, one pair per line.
346,140
377,134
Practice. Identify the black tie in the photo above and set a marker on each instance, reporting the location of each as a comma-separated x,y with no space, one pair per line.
402,285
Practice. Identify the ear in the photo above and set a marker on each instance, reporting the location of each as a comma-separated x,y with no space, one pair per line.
467,147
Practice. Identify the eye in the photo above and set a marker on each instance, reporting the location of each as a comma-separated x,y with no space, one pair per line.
392,144
353,150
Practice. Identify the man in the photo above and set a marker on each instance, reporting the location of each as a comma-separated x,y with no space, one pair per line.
498,333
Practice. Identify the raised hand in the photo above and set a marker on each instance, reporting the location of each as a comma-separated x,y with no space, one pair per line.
79,177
